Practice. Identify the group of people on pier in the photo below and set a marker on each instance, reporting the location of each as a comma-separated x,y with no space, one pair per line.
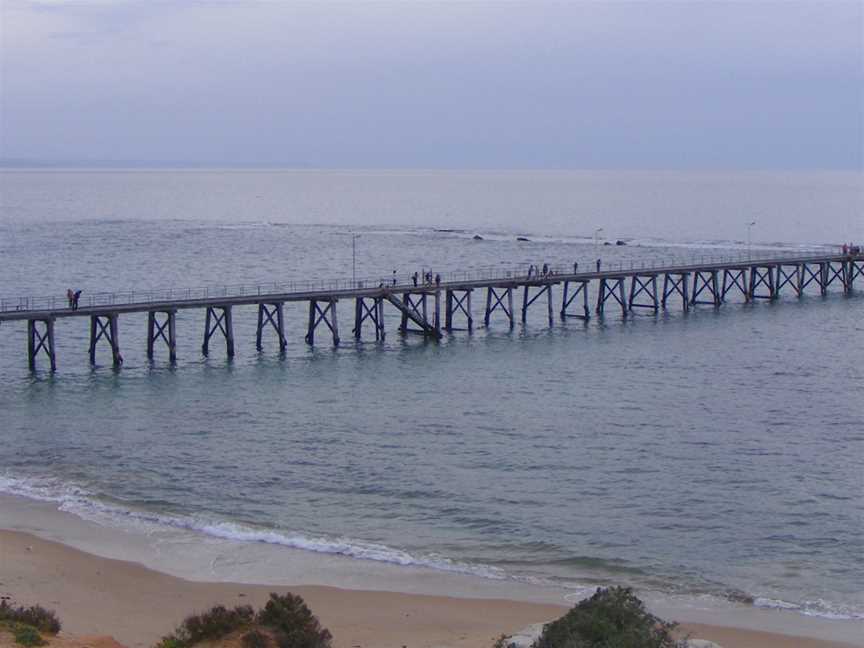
428,278
72,296
546,271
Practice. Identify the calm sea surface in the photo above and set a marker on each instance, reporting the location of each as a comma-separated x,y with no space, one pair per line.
718,452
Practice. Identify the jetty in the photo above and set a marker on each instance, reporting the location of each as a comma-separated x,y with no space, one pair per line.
623,285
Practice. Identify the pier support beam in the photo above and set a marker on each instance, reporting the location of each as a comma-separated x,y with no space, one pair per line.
374,313
327,315
570,297
856,269
40,337
495,296
836,270
272,314
788,275
527,300
105,327
762,276
643,285
676,283
415,311
454,304
166,329
706,281
807,275
734,278
416,303
612,287
219,319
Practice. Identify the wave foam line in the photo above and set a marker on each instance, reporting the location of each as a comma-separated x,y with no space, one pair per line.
78,501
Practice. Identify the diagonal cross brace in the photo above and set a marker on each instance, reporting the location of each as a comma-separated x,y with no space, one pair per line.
647,285
411,313
678,286
735,278
568,298
498,298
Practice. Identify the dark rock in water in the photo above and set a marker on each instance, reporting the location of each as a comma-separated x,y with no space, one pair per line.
606,243
522,238
740,597
477,237
620,242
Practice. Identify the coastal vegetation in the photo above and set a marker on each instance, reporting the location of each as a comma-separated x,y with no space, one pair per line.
612,618
284,622
27,623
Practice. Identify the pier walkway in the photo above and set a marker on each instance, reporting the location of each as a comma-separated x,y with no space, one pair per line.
625,285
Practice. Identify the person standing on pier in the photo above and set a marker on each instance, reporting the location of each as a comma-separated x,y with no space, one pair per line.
598,265
394,277
575,267
70,297
437,279
75,297
545,269
414,278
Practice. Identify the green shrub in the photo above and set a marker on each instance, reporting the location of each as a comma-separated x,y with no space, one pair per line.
216,623
293,624
286,616
255,639
35,616
611,618
27,635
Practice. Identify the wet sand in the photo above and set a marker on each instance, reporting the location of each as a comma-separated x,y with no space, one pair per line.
136,605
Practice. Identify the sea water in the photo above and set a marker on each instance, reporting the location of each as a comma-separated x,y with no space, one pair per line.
711,454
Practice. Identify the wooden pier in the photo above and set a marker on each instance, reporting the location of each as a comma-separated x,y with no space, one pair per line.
704,282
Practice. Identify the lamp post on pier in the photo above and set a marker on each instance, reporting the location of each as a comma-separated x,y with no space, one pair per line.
749,228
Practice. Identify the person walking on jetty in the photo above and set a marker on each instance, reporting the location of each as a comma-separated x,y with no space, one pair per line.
75,297
414,278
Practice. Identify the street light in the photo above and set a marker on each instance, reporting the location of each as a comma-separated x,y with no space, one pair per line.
354,238
749,227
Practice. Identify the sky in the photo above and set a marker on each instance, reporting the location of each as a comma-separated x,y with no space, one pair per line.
452,84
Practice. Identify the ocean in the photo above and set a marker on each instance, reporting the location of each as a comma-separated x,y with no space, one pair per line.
710,455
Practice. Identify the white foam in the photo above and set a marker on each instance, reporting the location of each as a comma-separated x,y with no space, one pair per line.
76,500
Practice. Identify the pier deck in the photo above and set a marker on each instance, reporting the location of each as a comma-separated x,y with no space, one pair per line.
627,285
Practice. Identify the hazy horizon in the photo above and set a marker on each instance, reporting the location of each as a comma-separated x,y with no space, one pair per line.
433,85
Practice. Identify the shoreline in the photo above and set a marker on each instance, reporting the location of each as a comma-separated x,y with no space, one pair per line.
136,605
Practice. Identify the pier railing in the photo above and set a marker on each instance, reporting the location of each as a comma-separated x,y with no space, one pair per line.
494,273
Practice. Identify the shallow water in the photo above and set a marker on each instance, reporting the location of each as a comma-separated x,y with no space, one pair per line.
715,452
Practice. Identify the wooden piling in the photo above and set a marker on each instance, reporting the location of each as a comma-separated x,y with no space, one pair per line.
222,322
105,327
271,315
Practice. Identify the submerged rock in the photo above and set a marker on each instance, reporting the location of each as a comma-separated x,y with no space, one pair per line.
620,242
477,237
522,238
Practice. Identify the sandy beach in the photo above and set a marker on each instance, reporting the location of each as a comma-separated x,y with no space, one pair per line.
136,605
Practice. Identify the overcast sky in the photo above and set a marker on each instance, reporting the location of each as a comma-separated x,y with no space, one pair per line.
435,84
